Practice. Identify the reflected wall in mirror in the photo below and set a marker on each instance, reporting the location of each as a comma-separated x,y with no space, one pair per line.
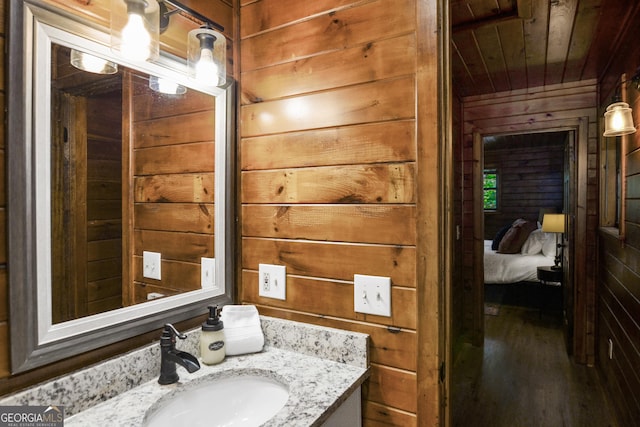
97,241
100,169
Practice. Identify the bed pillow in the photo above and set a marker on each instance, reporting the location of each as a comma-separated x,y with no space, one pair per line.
533,244
549,245
512,242
499,236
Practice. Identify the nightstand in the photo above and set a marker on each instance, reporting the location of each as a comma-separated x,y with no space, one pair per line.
548,275
551,279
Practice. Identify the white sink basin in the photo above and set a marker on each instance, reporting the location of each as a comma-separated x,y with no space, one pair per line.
248,400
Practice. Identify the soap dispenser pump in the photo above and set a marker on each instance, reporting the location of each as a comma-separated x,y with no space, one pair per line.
212,349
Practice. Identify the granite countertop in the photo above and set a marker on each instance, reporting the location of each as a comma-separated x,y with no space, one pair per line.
316,388
320,366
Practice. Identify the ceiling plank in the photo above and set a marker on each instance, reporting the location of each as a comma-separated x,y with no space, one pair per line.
512,41
561,19
484,22
491,49
535,37
468,48
581,41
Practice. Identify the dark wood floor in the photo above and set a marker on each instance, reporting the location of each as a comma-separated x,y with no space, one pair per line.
524,377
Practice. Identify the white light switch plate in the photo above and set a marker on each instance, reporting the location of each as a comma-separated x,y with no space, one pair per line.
372,295
207,273
272,281
151,262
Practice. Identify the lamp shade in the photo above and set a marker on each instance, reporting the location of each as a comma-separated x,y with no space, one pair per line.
206,56
166,86
86,62
553,223
135,29
618,120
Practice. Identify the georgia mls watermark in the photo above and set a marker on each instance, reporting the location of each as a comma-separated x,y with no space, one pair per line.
31,416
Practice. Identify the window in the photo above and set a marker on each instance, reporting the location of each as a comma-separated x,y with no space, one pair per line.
490,189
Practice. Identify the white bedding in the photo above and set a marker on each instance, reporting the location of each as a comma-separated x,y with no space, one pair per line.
511,268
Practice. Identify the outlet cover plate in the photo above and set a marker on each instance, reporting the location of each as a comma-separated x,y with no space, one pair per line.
207,273
372,295
272,281
151,265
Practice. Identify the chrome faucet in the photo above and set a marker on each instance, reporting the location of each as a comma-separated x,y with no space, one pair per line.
169,356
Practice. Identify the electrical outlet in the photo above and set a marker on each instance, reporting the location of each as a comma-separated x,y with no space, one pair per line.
372,295
272,281
207,273
151,262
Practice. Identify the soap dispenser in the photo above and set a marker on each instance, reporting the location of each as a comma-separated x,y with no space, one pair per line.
212,349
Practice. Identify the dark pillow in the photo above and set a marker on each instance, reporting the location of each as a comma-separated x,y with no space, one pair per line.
513,240
499,235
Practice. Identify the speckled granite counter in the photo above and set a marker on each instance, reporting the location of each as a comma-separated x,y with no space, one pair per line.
321,367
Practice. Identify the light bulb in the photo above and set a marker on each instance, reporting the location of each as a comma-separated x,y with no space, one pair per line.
206,68
136,39
92,63
617,121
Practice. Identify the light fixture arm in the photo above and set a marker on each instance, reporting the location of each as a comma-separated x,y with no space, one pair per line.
178,7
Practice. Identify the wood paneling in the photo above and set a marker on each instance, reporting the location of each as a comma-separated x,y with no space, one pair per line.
173,150
531,171
619,256
329,178
532,43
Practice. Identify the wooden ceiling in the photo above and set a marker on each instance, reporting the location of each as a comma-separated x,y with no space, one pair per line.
502,45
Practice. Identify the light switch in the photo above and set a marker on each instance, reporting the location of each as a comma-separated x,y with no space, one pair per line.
372,295
151,262
207,273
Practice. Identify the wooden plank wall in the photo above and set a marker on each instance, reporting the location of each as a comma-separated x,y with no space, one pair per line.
530,178
4,300
329,178
104,204
173,179
557,107
619,275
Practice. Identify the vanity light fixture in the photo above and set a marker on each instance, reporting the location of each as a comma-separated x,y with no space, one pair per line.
166,86
135,29
86,62
618,119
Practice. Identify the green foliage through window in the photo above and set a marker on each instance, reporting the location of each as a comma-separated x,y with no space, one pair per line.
490,187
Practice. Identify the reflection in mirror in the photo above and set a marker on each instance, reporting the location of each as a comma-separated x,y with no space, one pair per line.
102,168
171,145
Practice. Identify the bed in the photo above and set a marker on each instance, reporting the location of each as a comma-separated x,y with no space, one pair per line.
512,268
519,255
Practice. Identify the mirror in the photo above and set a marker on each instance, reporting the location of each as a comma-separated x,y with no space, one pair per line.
101,169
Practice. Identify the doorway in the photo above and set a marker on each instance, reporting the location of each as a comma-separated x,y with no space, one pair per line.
526,176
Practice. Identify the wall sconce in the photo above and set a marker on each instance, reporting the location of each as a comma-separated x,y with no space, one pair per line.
554,223
618,120
166,86
206,60
135,29
85,62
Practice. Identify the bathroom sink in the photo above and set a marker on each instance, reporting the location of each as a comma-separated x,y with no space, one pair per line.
247,400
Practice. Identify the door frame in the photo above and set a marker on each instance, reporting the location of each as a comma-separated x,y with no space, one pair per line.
577,223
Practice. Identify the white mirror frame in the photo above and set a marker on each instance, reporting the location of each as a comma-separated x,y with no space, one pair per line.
35,341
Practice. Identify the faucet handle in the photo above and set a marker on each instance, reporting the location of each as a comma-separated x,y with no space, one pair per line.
171,332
